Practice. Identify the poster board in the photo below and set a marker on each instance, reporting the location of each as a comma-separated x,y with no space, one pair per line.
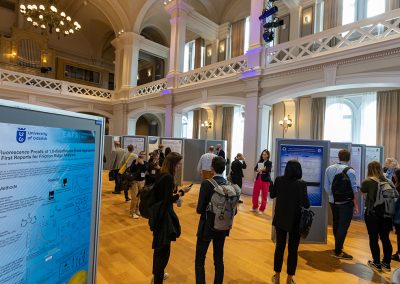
138,142
313,156
193,148
152,143
50,161
176,145
334,151
357,162
373,153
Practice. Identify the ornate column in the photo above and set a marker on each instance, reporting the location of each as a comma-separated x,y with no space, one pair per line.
127,47
178,10
254,54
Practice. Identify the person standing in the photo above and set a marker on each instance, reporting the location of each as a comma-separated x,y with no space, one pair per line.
206,234
116,156
342,210
163,221
237,167
139,168
378,225
290,192
220,151
161,154
124,166
153,167
204,165
262,182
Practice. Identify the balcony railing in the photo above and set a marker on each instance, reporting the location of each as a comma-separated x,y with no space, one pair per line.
16,79
149,88
213,71
365,32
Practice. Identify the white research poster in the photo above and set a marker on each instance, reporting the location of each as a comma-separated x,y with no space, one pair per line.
46,185
175,145
137,142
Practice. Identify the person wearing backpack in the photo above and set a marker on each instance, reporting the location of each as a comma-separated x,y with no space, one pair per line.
290,192
139,168
163,220
214,225
381,196
340,184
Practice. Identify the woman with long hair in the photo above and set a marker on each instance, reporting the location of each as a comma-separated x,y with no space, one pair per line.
290,192
378,225
164,222
262,182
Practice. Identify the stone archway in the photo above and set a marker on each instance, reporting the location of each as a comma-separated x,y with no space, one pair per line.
148,125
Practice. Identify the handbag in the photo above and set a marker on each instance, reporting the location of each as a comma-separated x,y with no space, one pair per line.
130,176
306,219
111,175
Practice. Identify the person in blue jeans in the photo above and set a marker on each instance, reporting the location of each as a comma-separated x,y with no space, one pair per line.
342,212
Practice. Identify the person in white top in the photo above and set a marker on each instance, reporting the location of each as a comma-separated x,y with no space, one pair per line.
204,165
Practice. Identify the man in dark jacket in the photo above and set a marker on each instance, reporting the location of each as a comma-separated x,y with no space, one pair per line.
205,234
237,167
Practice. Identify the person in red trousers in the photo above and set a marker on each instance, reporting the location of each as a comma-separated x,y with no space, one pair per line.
262,182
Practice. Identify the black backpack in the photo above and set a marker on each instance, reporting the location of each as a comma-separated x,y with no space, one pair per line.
147,198
341,187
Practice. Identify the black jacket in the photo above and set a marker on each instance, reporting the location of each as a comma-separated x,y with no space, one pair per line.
221,153
205,194
266,175
139,170
290,196
237,168
163,220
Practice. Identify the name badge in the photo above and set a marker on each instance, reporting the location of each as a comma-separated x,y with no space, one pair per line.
153,172
142,175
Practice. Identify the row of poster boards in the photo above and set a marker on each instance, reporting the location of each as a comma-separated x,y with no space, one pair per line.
315,156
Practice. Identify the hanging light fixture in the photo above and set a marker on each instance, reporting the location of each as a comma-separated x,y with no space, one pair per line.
46,17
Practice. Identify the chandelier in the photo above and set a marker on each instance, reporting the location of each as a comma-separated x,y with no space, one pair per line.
46,16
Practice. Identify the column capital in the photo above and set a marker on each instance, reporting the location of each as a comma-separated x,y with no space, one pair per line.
125,39
178,8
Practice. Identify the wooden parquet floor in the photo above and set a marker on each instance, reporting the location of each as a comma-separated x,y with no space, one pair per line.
125,254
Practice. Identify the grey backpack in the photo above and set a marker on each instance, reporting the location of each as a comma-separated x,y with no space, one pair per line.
385,201
223,205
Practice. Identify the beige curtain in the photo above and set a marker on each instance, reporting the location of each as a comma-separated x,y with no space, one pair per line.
388,128
227,128
395,4
238,38
332,13
196,117
318,106
198,44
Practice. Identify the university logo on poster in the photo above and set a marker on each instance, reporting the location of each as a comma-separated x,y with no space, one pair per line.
21,135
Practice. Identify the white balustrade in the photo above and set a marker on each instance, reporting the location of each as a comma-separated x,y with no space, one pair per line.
213,71
11,78
149,88
365,32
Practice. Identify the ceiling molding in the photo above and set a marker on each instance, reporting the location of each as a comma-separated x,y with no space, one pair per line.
154,48
291,4
202,26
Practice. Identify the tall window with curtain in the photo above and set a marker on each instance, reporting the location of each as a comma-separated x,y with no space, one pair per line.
189,56
351,118
237,38
237,131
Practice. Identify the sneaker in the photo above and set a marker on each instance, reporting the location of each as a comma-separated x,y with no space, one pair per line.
240,201
386,266
138,213
127,199
291,281
396,257
343,255
260,212
253,210
135,216
375,266
275,280
166,276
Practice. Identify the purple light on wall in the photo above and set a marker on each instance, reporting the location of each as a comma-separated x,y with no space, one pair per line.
248,74
166,92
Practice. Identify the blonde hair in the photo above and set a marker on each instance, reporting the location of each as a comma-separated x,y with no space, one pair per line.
391,163
375,170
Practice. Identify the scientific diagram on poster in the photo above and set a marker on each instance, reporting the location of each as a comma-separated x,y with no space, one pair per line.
137,142
46,186
311,160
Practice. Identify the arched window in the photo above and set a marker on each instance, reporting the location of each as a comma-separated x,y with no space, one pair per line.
338,122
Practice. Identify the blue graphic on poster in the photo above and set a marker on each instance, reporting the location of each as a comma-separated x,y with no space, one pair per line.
46,186
311,160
